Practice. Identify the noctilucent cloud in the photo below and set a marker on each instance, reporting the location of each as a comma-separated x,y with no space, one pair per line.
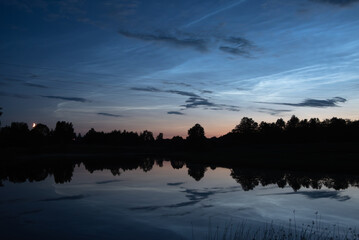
166,65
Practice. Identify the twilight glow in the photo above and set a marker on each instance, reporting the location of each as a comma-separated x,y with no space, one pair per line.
166,65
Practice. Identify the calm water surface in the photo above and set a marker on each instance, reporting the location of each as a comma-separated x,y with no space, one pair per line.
163,203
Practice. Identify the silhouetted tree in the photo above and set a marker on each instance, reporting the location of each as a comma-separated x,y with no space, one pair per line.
245,132
292,123
177,141
41,130
39,134
247,126
19,128
196,133
147,136
159,137
177,138
15,135
93,137
280,123
64,132
268,131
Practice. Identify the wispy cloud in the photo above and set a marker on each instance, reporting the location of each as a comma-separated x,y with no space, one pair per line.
146,89
231,45
194,100
175,113
178,84
239,46
206,91
274,112
183,93
214,13
12,79
313,102
337,2
75,99
34,85
152,89
196,43
233,50
15,95
109,114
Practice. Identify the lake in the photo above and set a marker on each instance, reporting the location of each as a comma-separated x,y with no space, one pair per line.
162,199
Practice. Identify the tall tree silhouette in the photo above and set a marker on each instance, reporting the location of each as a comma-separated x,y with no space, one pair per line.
292,123
39,134
147,136
159,137
15,135
196,133
280,123
246,126
64,132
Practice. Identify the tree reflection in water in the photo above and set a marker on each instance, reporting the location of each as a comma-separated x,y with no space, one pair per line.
62,171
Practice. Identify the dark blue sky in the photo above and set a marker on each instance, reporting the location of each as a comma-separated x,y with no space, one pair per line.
165,65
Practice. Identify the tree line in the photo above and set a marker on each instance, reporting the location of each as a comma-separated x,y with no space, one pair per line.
246,132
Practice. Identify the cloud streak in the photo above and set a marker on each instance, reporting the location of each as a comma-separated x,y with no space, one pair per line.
109,114
233,50
74,99
152,89
34,85
231,45
15,95
213,13
182,93
193,101
196,43
146,89
274,112
313,103
337,2
175,113
178,84
239,46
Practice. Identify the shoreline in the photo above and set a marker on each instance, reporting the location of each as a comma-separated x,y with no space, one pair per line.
319,157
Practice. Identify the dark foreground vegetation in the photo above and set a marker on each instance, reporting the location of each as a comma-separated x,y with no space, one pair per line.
293,231
332,144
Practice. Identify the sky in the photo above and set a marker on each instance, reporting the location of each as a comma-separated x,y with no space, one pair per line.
166,65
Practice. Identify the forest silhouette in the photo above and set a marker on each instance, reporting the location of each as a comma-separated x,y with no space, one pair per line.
248,131
330,145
